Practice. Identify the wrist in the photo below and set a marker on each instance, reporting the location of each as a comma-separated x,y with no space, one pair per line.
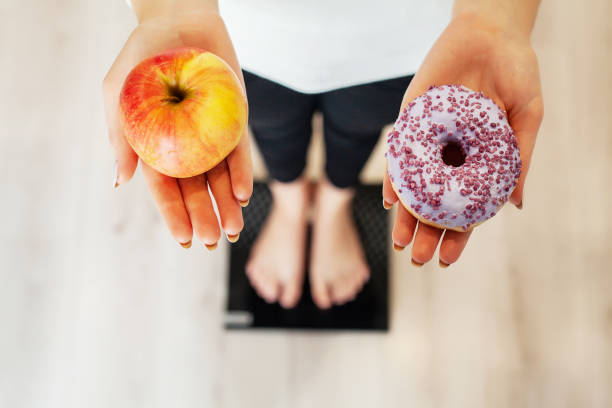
189,21
494,24
147,10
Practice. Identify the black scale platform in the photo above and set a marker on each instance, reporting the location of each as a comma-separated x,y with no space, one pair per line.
369,310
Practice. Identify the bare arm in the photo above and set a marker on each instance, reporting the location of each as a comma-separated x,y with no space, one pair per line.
520,14
147,9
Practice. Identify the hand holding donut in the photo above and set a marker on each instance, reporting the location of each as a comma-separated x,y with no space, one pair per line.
493,57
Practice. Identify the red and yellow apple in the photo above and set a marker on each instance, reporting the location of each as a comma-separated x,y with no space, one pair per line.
183,111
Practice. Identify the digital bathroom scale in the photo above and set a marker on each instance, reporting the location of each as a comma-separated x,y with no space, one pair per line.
368,311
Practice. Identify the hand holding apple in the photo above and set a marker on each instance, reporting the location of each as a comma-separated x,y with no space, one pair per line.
183,111
203,135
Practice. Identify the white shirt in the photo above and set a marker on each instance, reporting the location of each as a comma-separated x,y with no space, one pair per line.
315,46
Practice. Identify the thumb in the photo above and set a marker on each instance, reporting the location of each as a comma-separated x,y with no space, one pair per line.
125,157
525,125
418,86
389,196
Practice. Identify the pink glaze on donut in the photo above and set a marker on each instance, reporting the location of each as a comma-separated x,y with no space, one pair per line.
452,195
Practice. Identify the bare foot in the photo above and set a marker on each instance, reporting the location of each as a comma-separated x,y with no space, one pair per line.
338,268
276,263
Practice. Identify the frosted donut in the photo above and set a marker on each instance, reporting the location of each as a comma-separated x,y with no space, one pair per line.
452,158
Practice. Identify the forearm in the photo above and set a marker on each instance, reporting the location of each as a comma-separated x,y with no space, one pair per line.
146,9
519,14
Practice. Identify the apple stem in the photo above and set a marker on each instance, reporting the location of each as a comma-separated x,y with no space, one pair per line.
175,94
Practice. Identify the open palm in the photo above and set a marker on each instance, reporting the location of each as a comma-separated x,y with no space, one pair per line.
185,204
502,65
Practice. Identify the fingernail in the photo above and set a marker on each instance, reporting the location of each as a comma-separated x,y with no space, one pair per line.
186,244
211,247
387,205
243,203
415,263
443,264
115,174
520,205
397,247
233,238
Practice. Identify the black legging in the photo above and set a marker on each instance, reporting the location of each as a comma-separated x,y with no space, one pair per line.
353,118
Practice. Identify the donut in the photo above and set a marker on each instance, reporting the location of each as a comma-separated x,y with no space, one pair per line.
452,158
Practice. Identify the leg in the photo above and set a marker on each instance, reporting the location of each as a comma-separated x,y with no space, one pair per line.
280,120
354,118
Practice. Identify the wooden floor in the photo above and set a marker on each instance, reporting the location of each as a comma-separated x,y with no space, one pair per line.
100,308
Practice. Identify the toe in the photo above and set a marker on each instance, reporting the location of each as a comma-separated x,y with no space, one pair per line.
345,288
364,275
264,284
320,293
290,294
355,283
269,289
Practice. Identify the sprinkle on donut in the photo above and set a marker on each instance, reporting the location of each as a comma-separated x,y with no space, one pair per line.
453,159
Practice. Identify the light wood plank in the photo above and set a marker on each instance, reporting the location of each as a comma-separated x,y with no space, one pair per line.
99,307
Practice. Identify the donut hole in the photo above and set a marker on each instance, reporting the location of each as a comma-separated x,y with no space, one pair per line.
453,154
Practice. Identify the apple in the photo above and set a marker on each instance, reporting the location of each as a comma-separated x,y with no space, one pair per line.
183,111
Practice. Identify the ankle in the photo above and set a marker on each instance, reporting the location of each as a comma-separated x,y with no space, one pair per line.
344,194
331,200
291,198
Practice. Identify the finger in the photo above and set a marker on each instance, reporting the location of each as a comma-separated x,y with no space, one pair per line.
169,200
403,229
126,158
239,161
425,243
418,86
241,170
452,245
526,124
229,209
389,196
134,51
200,209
